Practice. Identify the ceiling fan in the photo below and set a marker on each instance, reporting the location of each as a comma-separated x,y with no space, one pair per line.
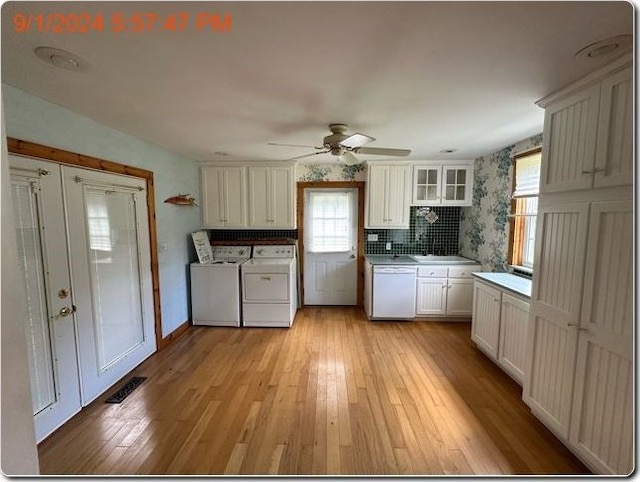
346,146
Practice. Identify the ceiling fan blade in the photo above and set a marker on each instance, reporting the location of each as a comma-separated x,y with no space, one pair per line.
383,151
292,145
307,155
349,158
356,140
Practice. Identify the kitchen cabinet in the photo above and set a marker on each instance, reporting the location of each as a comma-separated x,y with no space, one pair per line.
499,326
588,134
271,197
442,184
224,197
579,380
387,193
444,290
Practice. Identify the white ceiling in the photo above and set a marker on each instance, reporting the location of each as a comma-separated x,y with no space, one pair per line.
425,76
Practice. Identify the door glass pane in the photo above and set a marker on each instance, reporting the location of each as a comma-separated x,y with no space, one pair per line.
40,357
450,193
451,176
114,273
462,175
420,193
432,193
460,192
433,176
422,176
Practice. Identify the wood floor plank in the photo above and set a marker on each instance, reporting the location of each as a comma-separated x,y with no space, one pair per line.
334,394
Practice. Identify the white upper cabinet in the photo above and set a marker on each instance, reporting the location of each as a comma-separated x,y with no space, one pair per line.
388,196
224,197
614,152
588,135
271,197
436,183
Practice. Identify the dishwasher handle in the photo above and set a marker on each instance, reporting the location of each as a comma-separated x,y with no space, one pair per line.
394,270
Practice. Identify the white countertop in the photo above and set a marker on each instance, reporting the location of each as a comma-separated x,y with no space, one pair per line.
508,281
407,259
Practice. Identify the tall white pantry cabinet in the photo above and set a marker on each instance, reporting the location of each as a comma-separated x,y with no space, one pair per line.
579,380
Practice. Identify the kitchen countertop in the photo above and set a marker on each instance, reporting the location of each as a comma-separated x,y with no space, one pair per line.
405,259
511,282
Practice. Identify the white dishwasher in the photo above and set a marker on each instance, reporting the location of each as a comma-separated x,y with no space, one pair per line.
394,292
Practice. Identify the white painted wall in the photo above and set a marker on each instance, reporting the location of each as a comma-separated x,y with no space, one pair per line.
19,454
33,119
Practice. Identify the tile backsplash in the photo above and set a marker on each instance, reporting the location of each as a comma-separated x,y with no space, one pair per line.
238,234
440,237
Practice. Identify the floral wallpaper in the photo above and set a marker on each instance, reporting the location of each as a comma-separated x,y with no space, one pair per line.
484,227
330,172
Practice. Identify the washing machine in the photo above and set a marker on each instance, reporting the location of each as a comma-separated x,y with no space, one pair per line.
269,287
215,287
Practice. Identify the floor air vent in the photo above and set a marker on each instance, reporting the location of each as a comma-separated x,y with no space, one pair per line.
126,389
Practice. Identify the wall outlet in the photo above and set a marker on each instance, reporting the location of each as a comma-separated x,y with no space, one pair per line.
387,246
372,237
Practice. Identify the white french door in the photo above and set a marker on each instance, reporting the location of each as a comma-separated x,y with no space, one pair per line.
330,238
84,246
49,324
111,275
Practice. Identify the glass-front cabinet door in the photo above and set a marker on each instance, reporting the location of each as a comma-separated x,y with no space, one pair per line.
426,184
456,185
443,184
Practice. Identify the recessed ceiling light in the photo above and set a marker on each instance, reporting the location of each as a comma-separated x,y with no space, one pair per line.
602,48
448,151
62,59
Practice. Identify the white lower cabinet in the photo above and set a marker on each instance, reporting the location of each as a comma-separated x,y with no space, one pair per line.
514,322
444,290
499,327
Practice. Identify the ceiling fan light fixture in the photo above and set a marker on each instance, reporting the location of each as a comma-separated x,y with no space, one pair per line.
349,158
356,140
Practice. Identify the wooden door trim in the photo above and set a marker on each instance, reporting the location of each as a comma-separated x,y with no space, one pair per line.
60,156
359,185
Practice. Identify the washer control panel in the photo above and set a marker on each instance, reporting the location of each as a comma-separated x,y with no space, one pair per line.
274,251
229,253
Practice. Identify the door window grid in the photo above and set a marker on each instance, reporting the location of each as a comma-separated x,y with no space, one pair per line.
330,222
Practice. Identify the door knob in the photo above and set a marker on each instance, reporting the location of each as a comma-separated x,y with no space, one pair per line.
65,311
353,256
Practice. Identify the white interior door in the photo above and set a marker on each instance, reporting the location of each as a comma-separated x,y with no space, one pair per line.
330,238
41,237
110,262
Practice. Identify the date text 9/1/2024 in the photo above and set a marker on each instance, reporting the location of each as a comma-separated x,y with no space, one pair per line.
120,22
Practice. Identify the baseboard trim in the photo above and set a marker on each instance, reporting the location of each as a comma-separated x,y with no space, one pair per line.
174,335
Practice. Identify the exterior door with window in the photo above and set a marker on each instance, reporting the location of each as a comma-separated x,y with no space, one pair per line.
331,239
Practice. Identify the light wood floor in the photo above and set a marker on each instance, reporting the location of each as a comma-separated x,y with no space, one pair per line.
335,394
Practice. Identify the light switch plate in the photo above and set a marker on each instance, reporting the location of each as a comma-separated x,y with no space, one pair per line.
372,237
388,247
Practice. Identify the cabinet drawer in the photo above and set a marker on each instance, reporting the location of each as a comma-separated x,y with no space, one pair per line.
462,271
432,271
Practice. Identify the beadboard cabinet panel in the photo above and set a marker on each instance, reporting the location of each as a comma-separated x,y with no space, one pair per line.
485,325
514,322
614,155
570,136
